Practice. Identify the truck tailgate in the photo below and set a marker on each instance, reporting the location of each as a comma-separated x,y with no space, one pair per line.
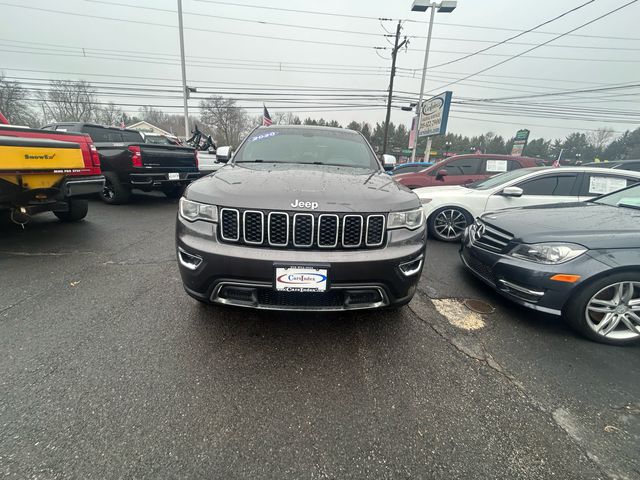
34,154
167,156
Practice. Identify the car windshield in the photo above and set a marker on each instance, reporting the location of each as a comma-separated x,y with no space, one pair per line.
498,180
307,146
627,198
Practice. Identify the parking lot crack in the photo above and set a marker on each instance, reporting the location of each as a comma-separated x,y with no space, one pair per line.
472,347
44,254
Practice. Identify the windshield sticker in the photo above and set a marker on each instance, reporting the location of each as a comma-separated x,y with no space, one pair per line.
263,136
496,165
602,185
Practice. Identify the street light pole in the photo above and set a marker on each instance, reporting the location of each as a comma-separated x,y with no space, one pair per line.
185,92
424,77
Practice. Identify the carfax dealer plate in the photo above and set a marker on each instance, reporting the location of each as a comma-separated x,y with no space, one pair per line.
301,279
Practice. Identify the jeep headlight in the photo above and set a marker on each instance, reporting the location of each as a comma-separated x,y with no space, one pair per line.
410,219
548,253
192,211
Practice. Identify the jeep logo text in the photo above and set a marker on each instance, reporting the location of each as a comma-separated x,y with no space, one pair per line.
298,204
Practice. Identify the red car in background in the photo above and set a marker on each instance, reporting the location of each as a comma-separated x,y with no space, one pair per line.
462,169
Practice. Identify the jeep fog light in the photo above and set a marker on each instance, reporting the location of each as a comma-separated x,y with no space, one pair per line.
188,260
412,267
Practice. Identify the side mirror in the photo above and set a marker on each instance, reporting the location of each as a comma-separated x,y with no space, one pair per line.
388,162
512,192
223,154
441,174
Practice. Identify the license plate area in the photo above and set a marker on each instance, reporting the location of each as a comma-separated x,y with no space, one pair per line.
174,176
298,278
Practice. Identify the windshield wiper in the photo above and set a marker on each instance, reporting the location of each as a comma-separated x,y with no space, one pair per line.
628,205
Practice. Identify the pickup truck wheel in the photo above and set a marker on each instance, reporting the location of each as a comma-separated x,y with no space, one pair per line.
448,223
173,192
114,192
77,211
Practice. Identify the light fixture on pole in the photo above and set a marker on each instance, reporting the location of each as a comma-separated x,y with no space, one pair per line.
445,6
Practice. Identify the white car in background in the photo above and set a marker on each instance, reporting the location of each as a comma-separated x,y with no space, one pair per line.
449,209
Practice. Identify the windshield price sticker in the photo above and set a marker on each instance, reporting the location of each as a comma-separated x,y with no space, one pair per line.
602,185
496,165
301,279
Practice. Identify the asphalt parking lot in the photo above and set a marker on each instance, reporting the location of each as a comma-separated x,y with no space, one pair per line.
109,370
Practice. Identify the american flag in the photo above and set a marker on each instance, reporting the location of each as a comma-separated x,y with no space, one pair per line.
122,125
266,118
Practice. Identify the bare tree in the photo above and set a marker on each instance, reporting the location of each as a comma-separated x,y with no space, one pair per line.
279,118
69,101
229,121
111,114
14,104
600,138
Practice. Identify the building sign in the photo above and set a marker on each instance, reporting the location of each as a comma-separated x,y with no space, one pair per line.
435,113
522,136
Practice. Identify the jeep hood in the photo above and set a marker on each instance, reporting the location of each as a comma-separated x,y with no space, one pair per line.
272,186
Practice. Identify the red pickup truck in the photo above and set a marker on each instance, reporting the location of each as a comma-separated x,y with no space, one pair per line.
47,171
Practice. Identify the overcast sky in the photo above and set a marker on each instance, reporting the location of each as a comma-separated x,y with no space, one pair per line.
226,55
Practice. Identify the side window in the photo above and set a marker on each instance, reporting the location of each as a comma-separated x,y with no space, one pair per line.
559,185
599,184
463,166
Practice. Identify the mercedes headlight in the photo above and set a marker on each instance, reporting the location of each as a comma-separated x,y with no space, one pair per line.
410,219
548,253
192,211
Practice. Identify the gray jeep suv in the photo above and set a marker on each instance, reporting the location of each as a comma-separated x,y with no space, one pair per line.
301,218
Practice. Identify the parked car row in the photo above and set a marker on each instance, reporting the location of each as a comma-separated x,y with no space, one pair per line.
564,241
128,162
48,169
450,209
580,260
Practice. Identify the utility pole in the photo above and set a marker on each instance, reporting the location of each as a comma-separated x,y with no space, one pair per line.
424,75
394,54
185,91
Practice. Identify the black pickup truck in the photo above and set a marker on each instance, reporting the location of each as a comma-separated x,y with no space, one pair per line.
128,162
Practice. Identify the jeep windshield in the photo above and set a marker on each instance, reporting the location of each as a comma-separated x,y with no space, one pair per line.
307,146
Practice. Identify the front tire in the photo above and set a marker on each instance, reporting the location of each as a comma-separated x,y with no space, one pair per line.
78,209
448,223
114,192
608,309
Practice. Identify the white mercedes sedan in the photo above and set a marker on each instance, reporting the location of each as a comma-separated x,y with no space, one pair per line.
449,209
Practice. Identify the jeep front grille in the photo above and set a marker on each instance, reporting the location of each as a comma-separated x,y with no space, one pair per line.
302,230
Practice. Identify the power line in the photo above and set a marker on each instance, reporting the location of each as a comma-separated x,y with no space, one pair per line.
291,10
538,46
565,92
507,40
145,54
345,15
139,22
263,22
489,120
